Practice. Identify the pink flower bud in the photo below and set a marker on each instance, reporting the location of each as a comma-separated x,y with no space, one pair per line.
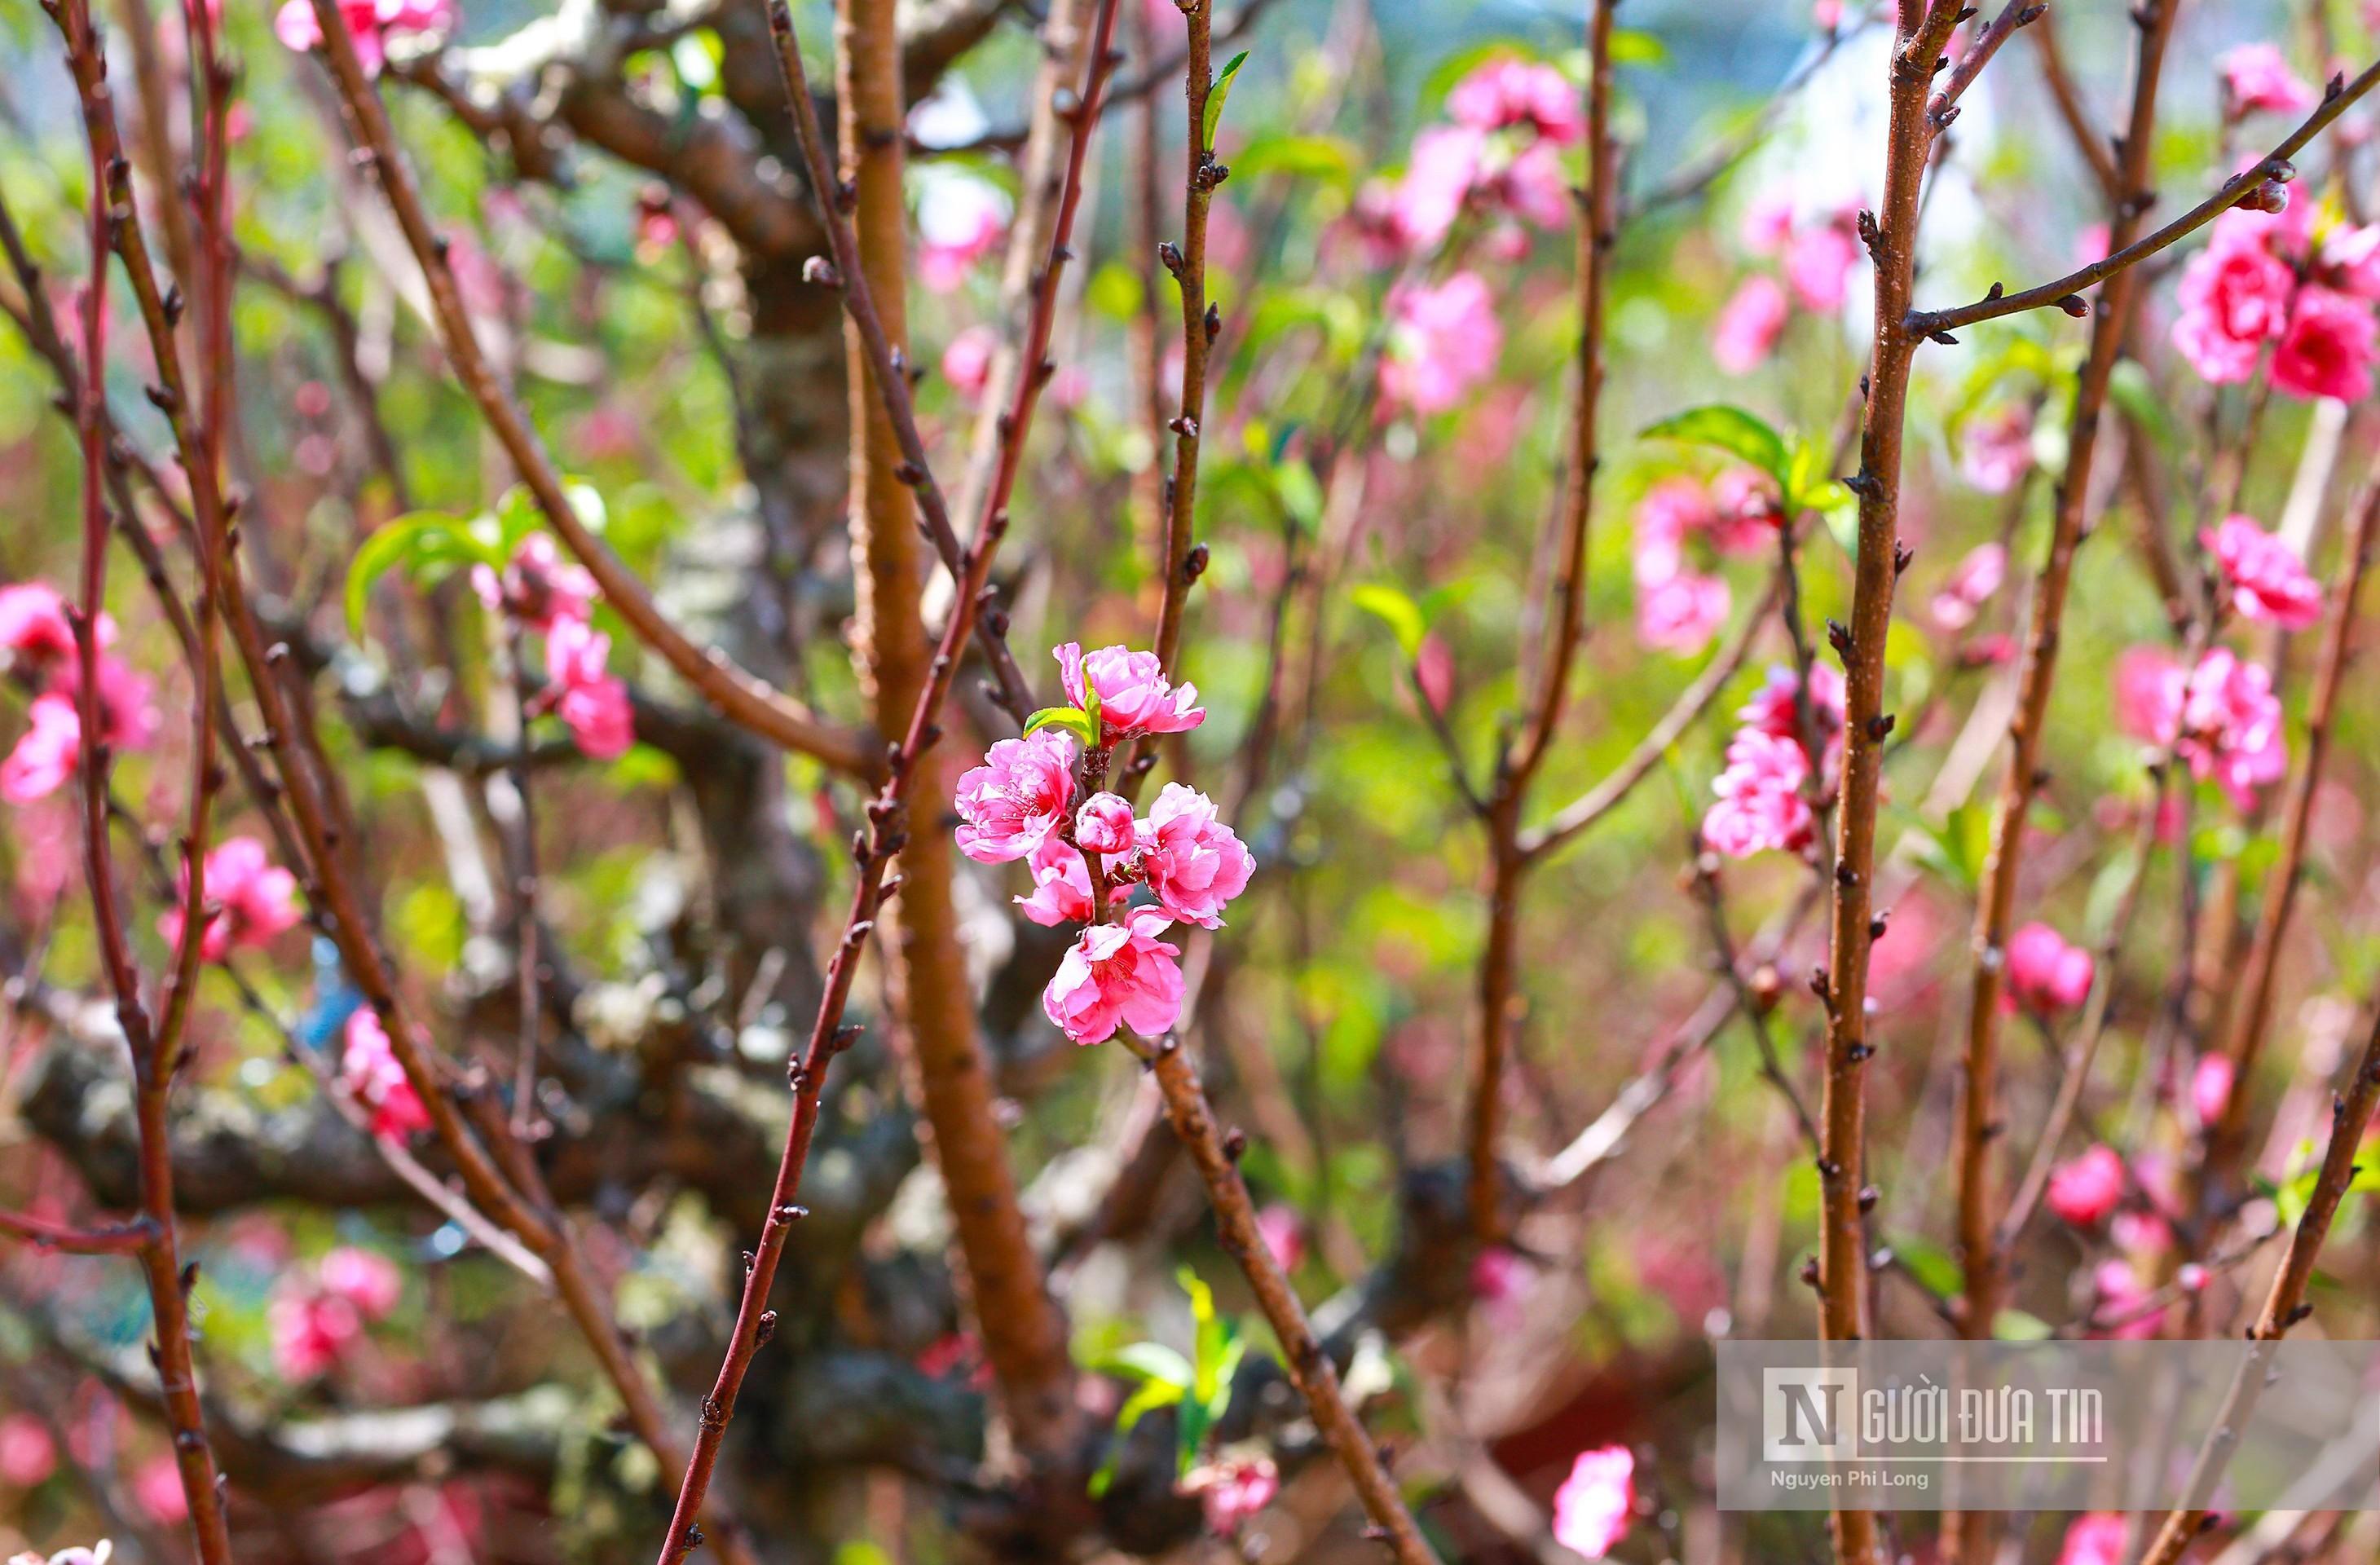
1104,824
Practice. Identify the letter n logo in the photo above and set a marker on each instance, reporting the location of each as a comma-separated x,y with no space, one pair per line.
1808,1414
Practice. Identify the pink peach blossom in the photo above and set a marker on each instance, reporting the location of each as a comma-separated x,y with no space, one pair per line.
2256,77
157,1488
1104,825
46,754
1996,451
28,1455
961,219
256,898
1117,974
1443,340
1819,262
2085,1191
2328,348
2231,725
1508,93
34,628
1283,1231
2234,297
1970,586
310,1332
966,362
1009,804
1062,885
370,22
2210,1087
1682,613
1135,697
1191,859
538,587
2097,1539
2268,580
1231,1492
1775,708
1760,804
1749,324
365,1279
1597,1503
2123,1300
2045,972
591,701
371,1070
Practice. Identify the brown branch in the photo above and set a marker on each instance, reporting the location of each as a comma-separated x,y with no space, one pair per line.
159,1256
1967,1535
116,1239
1891,238
1309,1366
2253,1009
885,835
741,697
1944,106
2274,167
2285,1303
1507,793
2060,82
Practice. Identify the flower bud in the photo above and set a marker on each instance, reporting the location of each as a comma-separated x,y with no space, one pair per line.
1104,825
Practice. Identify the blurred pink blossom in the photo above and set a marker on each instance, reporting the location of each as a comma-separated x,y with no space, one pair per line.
257,900
1970,586
2234,297
1596,1504
1749,324
1284,1235
310,1331
2268,580
538,587
1682,613
966,362
365,1279
2085,1191
2210,1087
2328,348
1443,340
2097,1539
1231,1492
2045,972
157,1489
592,700
1998,451
2256,77
1508,93
28,1455
371,23
1819,260
45,754
369,1067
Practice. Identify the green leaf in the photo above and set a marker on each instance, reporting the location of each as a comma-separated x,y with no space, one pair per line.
1215,96
1632,46
1146,1362
1328,160
2017,1326
1935,1269
1396,610
420,540
1724,427
1151,1396
1074,719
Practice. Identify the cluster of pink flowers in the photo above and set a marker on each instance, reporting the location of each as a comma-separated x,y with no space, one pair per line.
314,1321
2045,972
1499,155
1443,339
370,1068
2263,282
254,899
2086,1190
1817,261
38,638
552,595
2267,579
2222,717
1762,804
372,23
1231,1492
1020,804
1595,1505
1680,609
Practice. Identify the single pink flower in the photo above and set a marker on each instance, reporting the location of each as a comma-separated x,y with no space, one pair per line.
2097,1539
1775,708
591,699
1135,697
2350,261
365,1279
157,1489
1996,451
1443,340
2256,77
1192,860
46,754
538,587
255,897
1819,262
1062,885
2147,693
1439,175
1970,586
1682,613
310,1331
28,1455
2085,1191
1749,324
1231,1492
2045,972
1767,222
1284,1235
34,628
1760,804
1745,513
2210,1087
1008,804
371,1071
1508,93
1104,825
2231,725
1117,974
966,362
2268,580
961,219
1597,1503
2328,348
2234,297
1668,511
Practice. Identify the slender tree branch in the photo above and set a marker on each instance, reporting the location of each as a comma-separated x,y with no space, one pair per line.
1309,1366
2087,140
116,1238
2339,96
